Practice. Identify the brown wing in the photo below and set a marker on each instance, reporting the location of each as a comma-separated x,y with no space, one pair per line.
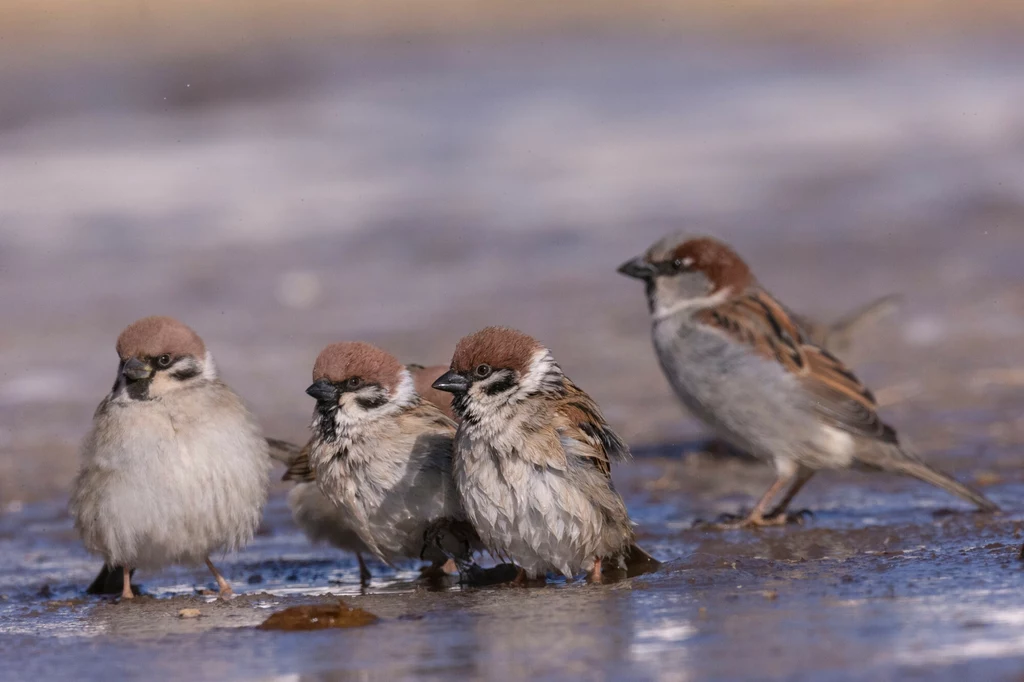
300,469
834,392
580,419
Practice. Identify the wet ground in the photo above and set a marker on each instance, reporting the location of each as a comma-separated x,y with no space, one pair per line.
408,196
882,583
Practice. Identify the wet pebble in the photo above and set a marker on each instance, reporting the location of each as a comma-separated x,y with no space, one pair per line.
318,617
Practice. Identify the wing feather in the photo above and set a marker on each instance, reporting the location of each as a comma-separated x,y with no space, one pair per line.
834,392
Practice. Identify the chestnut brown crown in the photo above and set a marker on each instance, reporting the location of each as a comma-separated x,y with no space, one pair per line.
718,261
339,362
499,347
155,336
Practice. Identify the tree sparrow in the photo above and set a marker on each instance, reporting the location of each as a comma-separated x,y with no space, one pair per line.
533,458
384,456
738,360
174,467
319,518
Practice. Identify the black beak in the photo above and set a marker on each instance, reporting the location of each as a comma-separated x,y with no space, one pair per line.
136,369
452,382
324,391
638,268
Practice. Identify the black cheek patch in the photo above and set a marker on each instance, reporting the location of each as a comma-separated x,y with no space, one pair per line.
189,372
503,384
372,403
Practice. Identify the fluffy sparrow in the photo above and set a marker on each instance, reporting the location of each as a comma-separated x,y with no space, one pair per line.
318,517
738,360
174,467
533,458
383,455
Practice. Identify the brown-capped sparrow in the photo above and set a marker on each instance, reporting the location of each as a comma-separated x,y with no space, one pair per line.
174,468
319,518
738,360
533,458
383,456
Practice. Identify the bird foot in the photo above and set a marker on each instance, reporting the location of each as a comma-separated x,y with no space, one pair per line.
735,521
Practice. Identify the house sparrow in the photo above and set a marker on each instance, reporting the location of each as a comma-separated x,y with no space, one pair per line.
738,360
533,458
174,467
383,455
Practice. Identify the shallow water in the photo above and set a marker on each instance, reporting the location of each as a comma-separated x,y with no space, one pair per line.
407,197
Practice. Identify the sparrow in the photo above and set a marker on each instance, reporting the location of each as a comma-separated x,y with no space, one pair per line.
739,361
174,467
318,518
533,458
383,456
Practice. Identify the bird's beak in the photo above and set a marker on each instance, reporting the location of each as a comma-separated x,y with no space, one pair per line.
638,268
324,391
136,369
452,382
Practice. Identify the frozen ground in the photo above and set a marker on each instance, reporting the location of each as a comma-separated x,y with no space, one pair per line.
409,196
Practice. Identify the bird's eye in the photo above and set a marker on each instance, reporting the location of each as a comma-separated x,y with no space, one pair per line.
483,371
678,264
163,361
354,382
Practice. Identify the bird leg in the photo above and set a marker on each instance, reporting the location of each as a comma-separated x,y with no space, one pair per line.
799,480
126,591
756,518
594,575
224,589
364,572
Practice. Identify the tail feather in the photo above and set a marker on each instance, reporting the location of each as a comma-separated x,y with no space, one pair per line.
923,472
838,336
637,561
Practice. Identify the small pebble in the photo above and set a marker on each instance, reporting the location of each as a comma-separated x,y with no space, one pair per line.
189,613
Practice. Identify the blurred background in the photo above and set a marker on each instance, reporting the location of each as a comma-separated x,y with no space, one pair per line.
281,175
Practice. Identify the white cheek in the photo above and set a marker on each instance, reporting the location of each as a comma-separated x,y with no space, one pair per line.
162,384
209,367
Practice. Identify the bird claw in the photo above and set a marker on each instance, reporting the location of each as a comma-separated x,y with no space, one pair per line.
739,521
